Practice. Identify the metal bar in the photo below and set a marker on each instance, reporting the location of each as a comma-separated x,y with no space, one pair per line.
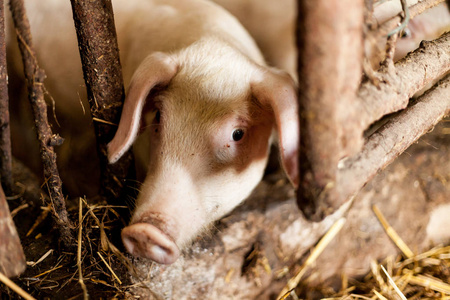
97,40
5,133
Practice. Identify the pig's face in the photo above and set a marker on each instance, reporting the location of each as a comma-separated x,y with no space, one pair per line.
206,147
199,168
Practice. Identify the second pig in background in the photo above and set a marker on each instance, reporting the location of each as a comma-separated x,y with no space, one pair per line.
272,24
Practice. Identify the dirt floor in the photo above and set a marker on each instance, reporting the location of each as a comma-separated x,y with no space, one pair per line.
52,271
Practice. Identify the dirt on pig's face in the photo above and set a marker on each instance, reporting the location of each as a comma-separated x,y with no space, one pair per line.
205,151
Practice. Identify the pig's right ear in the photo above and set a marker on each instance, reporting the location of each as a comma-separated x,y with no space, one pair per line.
157,69
277,90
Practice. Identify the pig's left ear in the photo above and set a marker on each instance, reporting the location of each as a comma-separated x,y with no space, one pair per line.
277,89
156,70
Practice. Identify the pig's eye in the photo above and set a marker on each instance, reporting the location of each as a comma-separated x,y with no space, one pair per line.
406,33
157,117
237,134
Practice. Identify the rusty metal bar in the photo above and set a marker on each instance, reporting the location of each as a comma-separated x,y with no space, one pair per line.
97,40
5,134
34,76
330,55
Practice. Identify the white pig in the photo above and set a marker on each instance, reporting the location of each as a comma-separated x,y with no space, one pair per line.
272,25
208,126
201,98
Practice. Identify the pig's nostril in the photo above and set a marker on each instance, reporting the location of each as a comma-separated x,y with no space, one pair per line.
147,241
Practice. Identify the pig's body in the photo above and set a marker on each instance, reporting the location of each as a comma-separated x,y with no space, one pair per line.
272,25
56,46
198,85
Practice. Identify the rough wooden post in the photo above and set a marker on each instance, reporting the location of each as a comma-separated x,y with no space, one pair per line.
97,40
5,135
330,55
34,76
12,259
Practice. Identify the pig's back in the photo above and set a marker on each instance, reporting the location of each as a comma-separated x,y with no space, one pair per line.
171,25
143,26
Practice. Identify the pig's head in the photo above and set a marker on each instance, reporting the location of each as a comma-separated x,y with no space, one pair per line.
205,129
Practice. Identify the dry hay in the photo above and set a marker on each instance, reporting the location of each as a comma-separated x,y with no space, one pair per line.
103,269
408,276
100,267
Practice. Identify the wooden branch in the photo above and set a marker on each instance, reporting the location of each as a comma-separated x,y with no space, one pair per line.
394,138
330,56
414,10
384,21
412,74
35,77
12,258
5,134
97,40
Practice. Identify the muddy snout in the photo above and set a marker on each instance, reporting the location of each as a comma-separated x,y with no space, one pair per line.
143,239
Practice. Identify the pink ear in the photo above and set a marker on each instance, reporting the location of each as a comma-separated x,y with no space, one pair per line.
156,69
277,90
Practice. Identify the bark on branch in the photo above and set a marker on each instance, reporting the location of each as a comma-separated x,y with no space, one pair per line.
35,78
414,10
330,54
412,74
394,138
97,40
5,135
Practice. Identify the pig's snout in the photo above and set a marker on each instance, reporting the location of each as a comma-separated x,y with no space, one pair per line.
147,241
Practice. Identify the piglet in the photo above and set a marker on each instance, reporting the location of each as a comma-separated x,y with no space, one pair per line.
200,110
